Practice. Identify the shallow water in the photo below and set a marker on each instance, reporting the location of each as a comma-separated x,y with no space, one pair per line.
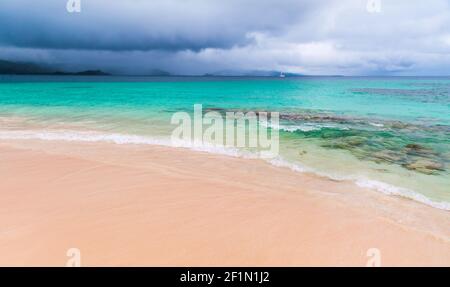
391,134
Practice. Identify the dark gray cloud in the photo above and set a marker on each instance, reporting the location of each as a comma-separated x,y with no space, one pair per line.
143,25
200,36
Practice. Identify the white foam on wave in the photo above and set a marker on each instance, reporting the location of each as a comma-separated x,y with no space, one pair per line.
121,139
378,125
301,128
79,136
116,138
376,185
400,191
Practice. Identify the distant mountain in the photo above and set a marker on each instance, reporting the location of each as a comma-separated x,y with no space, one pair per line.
158,73
254,73
22,68
18,68
83,73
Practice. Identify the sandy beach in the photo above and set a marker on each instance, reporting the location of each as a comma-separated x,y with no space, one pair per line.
132,205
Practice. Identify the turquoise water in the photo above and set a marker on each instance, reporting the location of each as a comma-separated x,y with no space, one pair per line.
391,134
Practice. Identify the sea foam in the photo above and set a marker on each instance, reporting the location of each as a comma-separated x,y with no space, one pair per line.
308,127
121,139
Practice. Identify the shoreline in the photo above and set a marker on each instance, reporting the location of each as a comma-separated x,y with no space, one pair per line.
86,136
161,206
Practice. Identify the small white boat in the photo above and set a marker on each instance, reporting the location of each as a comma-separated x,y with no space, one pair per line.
282,75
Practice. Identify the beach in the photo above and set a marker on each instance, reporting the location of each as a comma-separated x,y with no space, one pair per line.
200,134
149,205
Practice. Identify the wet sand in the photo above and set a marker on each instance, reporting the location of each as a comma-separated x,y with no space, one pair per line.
126,205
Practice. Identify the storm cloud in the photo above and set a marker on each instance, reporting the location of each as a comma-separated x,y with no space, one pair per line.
195,36
144,25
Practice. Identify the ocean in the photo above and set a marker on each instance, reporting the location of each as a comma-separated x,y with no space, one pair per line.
390,134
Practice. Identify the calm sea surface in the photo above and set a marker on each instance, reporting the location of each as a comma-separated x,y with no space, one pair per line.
391,134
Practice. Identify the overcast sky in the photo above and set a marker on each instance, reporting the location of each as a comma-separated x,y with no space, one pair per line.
407,37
